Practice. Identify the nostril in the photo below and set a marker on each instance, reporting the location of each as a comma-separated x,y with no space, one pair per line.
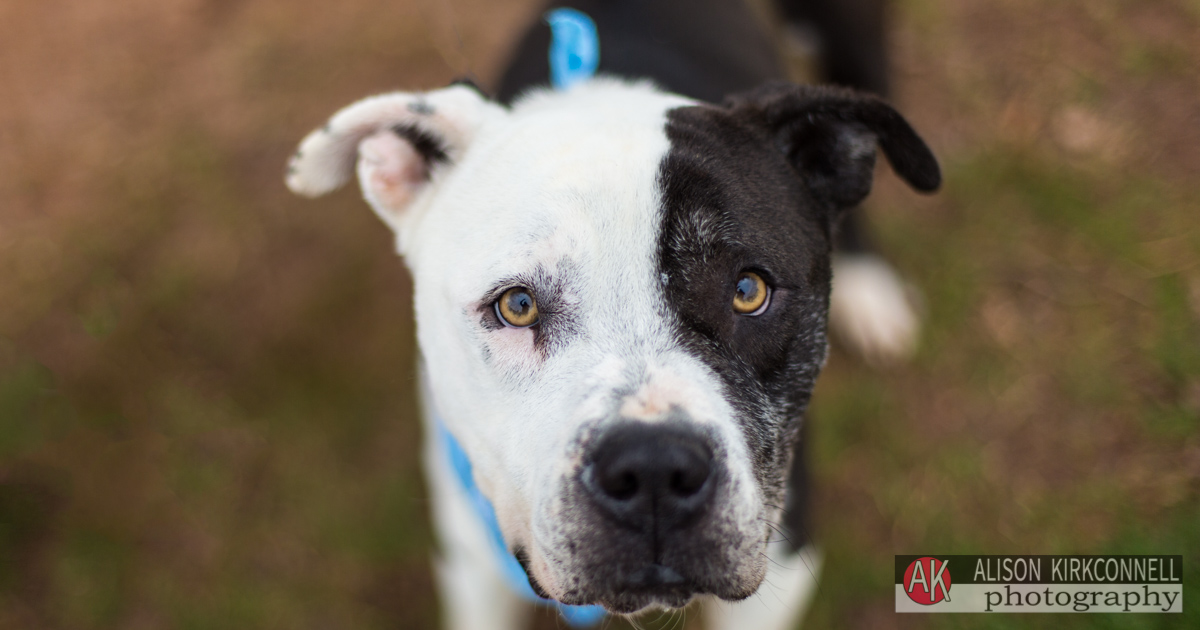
688,481
621,485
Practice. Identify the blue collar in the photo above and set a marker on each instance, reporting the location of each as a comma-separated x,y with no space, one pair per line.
574,47
514,575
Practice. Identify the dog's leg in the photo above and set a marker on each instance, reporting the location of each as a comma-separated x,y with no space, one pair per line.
870,309
850,39
780,602
473,594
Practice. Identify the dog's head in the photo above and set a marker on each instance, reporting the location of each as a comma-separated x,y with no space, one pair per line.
621,303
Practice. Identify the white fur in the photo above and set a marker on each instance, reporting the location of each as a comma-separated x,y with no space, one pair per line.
474,595
870,309
562,186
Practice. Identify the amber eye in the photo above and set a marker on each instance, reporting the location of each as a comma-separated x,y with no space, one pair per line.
517,308
751,295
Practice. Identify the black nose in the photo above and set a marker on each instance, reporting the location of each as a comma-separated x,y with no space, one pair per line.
654,477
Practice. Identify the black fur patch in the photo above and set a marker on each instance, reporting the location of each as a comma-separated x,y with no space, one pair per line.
796,522
829,134
428,145
421,107
759,184
732,202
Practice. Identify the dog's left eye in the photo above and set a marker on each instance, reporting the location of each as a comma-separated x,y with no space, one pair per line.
751,295
517,308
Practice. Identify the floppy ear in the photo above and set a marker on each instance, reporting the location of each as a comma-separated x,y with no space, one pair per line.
399,141
829,134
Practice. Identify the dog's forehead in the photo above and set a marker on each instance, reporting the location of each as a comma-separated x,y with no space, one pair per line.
565,176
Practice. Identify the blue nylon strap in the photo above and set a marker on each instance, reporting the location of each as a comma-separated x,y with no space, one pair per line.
574,47
510,569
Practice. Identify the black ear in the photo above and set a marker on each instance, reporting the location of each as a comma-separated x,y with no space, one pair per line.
830,134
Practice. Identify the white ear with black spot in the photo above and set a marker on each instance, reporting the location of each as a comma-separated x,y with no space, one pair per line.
399,142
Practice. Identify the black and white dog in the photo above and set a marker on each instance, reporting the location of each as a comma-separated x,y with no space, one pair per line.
622,291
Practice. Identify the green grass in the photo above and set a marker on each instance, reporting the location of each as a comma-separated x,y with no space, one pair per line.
1050,437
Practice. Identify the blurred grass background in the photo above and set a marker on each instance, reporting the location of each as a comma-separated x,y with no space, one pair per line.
207,414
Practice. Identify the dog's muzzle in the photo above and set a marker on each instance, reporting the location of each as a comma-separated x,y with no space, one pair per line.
651,486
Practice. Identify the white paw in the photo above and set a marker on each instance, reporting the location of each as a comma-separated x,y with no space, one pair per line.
870,309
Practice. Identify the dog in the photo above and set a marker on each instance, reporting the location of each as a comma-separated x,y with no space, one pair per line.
622,290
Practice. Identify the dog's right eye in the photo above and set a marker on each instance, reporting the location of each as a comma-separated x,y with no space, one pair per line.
517,308
752,294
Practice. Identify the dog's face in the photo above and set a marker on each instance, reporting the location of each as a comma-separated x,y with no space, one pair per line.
621,299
